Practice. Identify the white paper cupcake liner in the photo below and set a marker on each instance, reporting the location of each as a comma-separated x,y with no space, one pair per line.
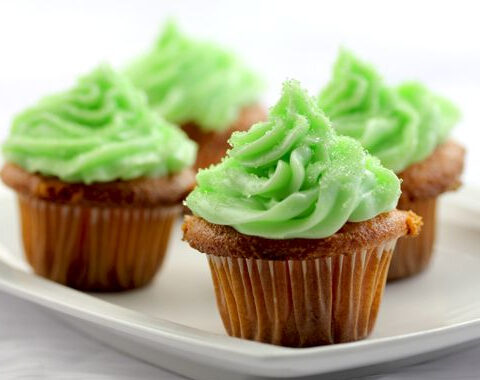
301,302
413,255
95,248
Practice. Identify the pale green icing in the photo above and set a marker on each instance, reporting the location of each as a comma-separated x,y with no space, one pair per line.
400,125
100,130
293,177
194,81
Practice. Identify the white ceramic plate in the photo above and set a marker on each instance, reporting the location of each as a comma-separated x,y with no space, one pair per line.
174,322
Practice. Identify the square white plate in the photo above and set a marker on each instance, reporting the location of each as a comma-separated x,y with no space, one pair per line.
174,324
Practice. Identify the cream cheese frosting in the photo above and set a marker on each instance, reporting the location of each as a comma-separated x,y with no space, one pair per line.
100,130
293,176
191,81
399,125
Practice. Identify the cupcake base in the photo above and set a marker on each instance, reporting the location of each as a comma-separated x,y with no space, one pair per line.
95,248
301,303
212,145
107,236
422,184
412,256
301,292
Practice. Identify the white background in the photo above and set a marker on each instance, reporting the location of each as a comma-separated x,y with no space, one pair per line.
45,45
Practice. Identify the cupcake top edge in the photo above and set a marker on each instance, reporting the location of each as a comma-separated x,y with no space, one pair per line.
218,240
191,81
100,130
292,176
168,191
400,125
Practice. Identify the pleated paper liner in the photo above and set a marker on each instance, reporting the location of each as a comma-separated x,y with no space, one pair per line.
412,256
301,303
422,183
95,248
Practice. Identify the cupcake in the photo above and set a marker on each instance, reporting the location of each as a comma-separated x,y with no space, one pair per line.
203,88
407,128
298,225
99,178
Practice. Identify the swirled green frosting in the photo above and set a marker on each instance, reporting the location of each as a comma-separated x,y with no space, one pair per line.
401,125
293,177
193,81
100,130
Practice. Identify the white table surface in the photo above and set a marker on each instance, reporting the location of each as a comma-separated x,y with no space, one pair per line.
45,44
36,345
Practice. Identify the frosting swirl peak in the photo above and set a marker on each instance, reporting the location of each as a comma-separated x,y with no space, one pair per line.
293,177
194,81
401,125
100,130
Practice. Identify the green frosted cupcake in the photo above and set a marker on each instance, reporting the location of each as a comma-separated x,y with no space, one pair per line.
202,87
100,179
298,224
407,128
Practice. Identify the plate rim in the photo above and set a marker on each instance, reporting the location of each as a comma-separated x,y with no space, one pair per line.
233,353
